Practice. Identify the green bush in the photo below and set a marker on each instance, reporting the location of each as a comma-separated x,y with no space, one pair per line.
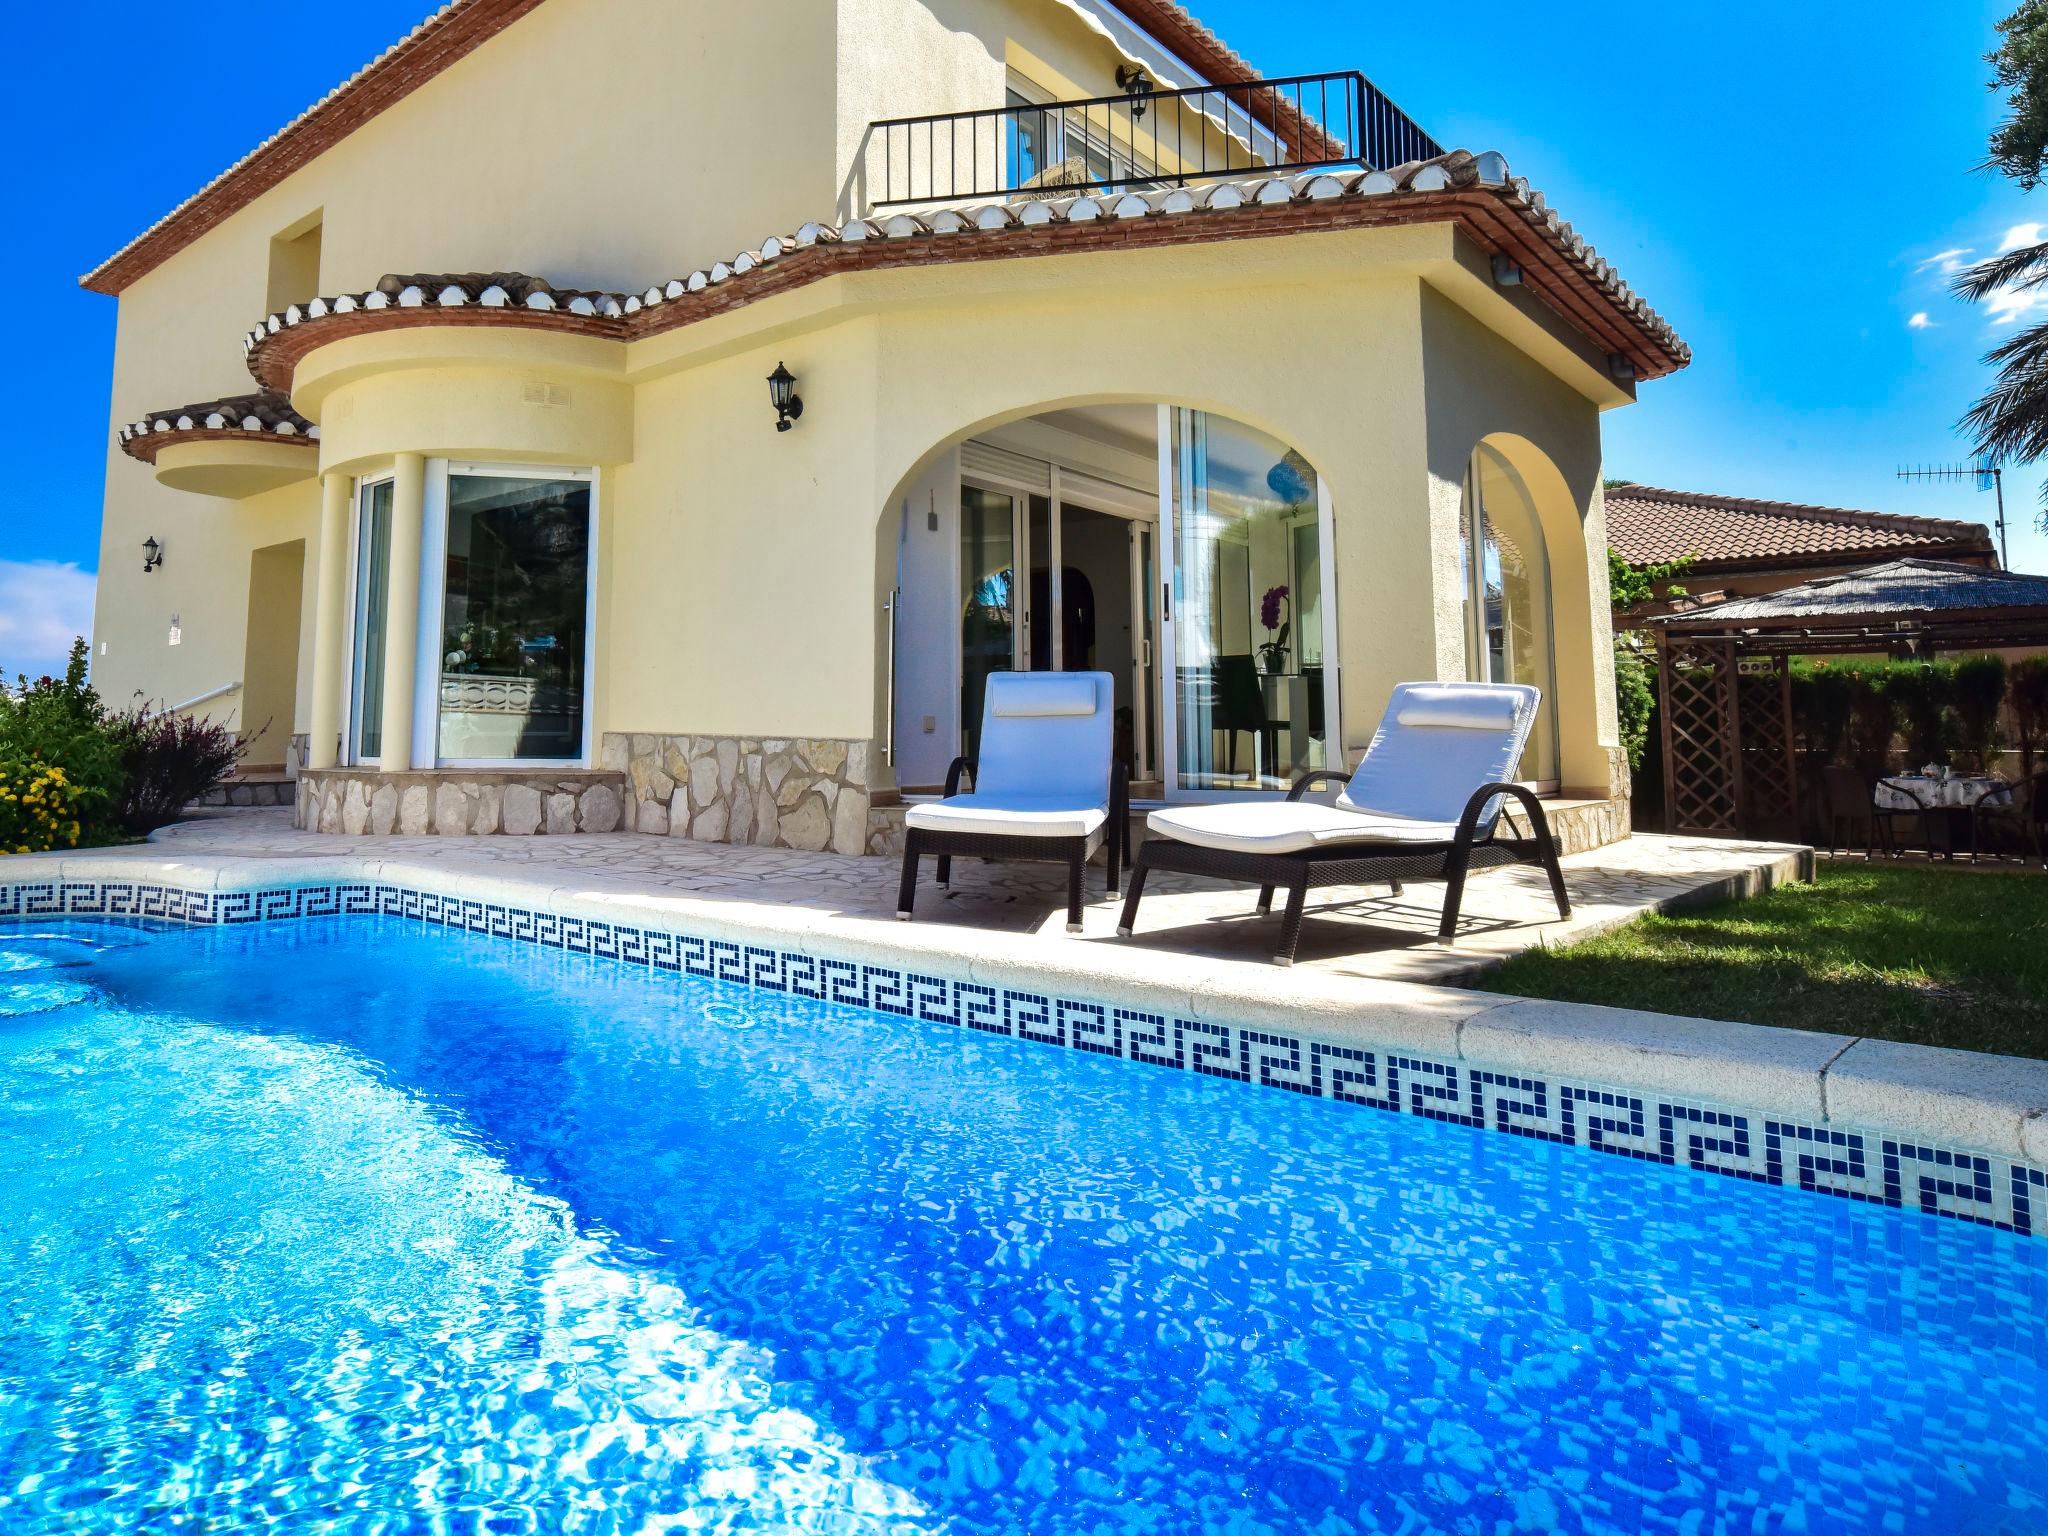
1635,700
1873,717
2027,690
1823,698
1873,712
1920,693
59,723
72,775
1978,690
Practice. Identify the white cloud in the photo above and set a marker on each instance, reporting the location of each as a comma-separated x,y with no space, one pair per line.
44,606
1949,261
2021,234
1918,321
2009,306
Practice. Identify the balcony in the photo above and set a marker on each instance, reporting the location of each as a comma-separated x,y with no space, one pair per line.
1140,138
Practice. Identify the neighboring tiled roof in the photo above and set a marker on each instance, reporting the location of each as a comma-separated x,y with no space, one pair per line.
1648,526
1191,42
1475,191
450,34
1899,588
266,414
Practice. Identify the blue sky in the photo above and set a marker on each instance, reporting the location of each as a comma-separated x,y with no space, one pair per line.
1780,183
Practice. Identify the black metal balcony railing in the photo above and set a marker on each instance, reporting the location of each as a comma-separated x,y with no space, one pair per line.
1141,139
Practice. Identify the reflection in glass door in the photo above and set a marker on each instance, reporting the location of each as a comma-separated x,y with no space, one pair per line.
515,616
368,622
1052,583
1097,627
1251,624
989,621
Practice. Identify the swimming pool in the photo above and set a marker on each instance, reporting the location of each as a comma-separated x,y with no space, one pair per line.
369,1222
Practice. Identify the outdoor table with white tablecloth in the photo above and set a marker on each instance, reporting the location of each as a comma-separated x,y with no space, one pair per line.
1919,791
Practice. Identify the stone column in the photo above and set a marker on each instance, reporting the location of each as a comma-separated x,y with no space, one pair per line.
402,622
330,602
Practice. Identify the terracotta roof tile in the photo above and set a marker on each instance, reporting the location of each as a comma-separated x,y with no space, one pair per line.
1501,208
1649,526
263,413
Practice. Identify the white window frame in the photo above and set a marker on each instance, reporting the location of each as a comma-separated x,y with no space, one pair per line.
351,754
426,698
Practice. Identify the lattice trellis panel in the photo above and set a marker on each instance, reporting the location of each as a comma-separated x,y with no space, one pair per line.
1770,784
1701,715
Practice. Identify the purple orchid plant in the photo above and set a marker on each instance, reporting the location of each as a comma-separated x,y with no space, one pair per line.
1273,614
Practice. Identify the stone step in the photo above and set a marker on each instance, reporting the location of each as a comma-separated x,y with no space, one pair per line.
460,802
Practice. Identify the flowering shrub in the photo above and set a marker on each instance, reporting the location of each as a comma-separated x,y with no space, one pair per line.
41,808
73,774
167,762
59,722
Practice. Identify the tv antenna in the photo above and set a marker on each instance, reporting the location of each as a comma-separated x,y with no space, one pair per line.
1987,476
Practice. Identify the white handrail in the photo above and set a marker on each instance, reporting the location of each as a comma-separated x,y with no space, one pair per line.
201,698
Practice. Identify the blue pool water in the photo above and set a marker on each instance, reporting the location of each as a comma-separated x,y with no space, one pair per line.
355,1225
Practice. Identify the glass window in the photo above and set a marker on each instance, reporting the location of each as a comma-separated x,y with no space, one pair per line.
1507,596
1030,135
1047,146
372,613
1249,597
514,629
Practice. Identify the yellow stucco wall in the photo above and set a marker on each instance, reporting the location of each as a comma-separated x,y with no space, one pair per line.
741,570
598,143
758,554
1480,388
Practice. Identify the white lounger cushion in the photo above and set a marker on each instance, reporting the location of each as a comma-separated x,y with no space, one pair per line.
1010,816
1458,706
1036,695
1047,735
1282,826
1437,743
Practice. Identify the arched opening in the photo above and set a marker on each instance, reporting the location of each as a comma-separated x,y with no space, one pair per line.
1181,551
1505,586
1531,611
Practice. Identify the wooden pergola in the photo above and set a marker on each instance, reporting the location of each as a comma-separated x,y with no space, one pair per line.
1724,672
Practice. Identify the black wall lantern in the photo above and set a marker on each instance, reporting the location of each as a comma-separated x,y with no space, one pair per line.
783,396
1137,85
152,555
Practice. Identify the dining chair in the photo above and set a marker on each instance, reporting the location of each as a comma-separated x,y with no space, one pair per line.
2024,814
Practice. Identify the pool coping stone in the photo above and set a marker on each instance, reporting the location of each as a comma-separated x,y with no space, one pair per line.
1982,1103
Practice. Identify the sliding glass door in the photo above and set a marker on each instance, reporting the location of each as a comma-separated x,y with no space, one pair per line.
368,617
990,621
515,617
1080,604
1252,621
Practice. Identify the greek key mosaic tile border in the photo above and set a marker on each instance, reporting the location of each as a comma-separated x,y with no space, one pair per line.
1848,1164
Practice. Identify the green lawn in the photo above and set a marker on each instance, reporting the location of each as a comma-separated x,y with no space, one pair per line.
1921,953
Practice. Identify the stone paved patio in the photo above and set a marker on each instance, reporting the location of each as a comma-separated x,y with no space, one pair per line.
1349,932
1371,975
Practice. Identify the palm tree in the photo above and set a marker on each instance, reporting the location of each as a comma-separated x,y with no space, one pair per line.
2011,421
2010,424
